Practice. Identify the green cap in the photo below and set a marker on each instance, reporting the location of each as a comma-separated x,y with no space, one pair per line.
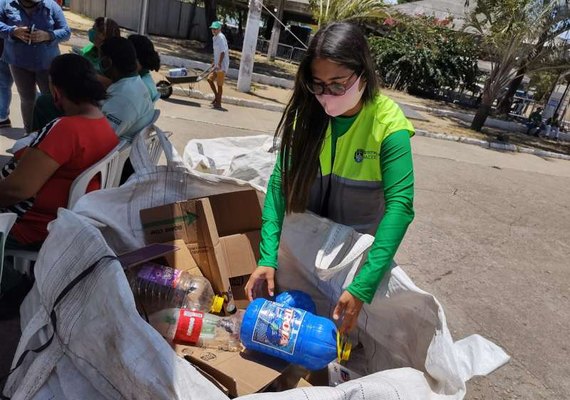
216,25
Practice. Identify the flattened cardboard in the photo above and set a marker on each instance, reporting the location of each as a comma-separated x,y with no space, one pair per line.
240,372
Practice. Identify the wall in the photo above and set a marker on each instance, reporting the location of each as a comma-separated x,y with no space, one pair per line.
165,17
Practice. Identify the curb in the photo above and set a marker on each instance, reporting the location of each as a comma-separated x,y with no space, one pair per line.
468,117
493,145
196,94
232,72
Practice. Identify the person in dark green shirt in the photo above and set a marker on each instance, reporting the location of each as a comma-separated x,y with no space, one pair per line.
345,154
45,110
103,28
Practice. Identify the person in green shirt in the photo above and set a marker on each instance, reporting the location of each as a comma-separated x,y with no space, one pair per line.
103,28
345,154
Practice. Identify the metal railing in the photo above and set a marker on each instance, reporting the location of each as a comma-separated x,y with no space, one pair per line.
285,52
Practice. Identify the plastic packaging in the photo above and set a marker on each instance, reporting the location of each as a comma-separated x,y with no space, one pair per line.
165,287
291,334
179,325
297,299
174,72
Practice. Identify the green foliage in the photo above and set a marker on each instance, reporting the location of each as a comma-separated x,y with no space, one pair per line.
421,55
325,11
542,83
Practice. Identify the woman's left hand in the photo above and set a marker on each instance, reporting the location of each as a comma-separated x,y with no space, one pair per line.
348,307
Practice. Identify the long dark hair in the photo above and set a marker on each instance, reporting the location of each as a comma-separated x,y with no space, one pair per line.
107,27
304,123
146,54
76,77
122,53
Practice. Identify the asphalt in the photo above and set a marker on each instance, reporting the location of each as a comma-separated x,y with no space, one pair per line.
490,241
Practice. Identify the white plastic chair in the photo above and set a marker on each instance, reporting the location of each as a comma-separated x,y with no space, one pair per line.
107,169
124,153
126,150
6,222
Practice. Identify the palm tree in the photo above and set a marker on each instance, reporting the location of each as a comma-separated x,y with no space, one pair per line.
555,23
507,28
326,11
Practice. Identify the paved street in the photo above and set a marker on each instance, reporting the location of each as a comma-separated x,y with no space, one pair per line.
490,240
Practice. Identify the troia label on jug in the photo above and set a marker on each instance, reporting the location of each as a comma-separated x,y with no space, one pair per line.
278,327
159,274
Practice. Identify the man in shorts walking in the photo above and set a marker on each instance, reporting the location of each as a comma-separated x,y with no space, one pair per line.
220,65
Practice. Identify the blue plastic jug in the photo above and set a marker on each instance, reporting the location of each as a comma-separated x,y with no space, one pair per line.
297,299
291,334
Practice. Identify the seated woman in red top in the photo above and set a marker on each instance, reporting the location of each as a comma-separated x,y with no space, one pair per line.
63,149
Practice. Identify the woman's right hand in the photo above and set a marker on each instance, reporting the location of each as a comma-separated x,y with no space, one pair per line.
260,275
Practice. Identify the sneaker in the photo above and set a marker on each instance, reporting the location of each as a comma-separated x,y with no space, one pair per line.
6,123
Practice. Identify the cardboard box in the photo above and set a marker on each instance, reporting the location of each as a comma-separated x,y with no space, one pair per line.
222,233
238,373
182,259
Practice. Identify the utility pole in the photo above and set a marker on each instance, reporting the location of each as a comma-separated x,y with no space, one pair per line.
276,32
144,17
249,46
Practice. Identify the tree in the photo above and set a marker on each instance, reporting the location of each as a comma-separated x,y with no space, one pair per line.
422,55
325,11
555,23
211,16
542,83
507,27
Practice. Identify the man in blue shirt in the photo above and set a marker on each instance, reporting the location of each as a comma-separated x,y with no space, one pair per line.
6,82
32,30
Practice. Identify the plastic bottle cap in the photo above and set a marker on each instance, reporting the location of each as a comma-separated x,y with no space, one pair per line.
217,304
343,347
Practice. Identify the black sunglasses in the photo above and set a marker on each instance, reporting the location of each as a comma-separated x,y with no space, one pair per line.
335,89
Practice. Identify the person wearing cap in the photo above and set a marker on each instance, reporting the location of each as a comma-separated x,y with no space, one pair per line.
32,31
220,65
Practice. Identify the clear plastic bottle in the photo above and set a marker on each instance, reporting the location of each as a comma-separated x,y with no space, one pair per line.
176,72
179,325
163,287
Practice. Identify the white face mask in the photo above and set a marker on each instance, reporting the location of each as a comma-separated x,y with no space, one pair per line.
338,105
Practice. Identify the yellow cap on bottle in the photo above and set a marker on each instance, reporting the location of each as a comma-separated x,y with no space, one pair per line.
217,304
343,347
